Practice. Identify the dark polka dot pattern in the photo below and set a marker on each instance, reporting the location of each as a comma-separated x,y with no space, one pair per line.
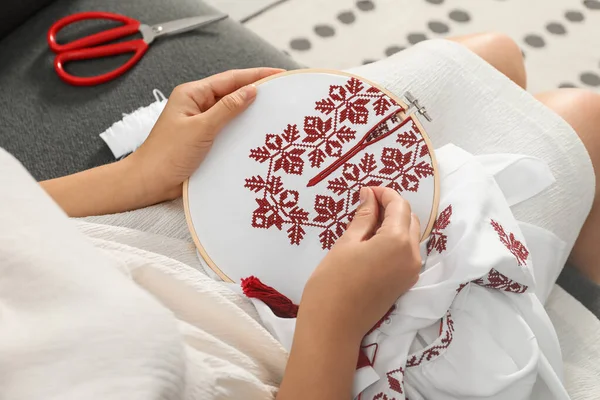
414,38
548,36
300,44
535,41
438,27
590,79
459,16
574,16
324,30
365,5
393,50
346,17
556,28
592,4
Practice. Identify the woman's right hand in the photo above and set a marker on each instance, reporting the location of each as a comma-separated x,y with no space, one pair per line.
369,268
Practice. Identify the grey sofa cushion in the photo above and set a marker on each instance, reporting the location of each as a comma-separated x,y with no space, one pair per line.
15,12
52,127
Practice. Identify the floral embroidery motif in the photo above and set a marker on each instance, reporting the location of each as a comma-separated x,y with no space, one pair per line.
438,239
294,151
512,244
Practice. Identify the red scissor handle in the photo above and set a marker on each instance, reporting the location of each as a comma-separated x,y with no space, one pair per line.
88,47
138,46
131,26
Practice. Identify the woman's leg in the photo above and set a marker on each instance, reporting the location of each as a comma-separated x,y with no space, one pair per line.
581,109
500,51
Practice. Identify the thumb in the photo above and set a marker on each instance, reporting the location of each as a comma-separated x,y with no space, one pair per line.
366,217
228,108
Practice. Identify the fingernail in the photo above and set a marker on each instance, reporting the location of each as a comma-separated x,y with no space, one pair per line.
248,92
363,194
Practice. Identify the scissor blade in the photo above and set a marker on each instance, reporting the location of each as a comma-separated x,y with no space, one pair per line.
185,24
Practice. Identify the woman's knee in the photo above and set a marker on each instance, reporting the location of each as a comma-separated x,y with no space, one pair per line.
499,50
580,108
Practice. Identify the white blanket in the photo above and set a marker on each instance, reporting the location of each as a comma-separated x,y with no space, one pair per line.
88,318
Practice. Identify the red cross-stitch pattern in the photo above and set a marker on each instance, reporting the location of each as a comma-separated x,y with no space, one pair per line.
294,151
496,280
438,239
382,396
437,347
512,244
396,380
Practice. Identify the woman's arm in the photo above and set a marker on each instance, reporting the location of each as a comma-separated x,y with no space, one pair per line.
322,361
179,141
107,189
370,266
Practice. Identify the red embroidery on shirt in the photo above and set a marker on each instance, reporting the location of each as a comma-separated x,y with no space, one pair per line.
438,239
396,380
363,357
382,396
293,151
496,280
461,287
512,244
437,347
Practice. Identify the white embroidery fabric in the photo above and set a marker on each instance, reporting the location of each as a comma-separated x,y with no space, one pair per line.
474,325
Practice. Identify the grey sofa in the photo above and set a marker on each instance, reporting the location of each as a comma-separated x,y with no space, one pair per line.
52,128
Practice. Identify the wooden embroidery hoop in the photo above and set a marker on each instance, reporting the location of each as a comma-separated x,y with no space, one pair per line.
436,197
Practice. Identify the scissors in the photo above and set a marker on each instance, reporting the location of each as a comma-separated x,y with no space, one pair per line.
94,46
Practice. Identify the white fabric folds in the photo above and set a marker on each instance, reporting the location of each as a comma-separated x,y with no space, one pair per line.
474,325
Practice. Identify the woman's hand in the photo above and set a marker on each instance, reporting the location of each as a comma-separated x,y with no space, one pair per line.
186,129
179,141
371,265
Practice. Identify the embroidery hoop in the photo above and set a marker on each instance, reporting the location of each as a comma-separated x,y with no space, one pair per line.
403,115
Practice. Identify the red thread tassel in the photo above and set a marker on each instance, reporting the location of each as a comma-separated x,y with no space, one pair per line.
284,308
277,302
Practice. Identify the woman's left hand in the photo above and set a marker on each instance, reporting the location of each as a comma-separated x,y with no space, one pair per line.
185,131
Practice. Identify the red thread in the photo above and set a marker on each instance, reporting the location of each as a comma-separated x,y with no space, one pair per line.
375,134
438,239
277,302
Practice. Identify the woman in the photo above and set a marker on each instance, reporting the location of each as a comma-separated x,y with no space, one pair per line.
180,140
